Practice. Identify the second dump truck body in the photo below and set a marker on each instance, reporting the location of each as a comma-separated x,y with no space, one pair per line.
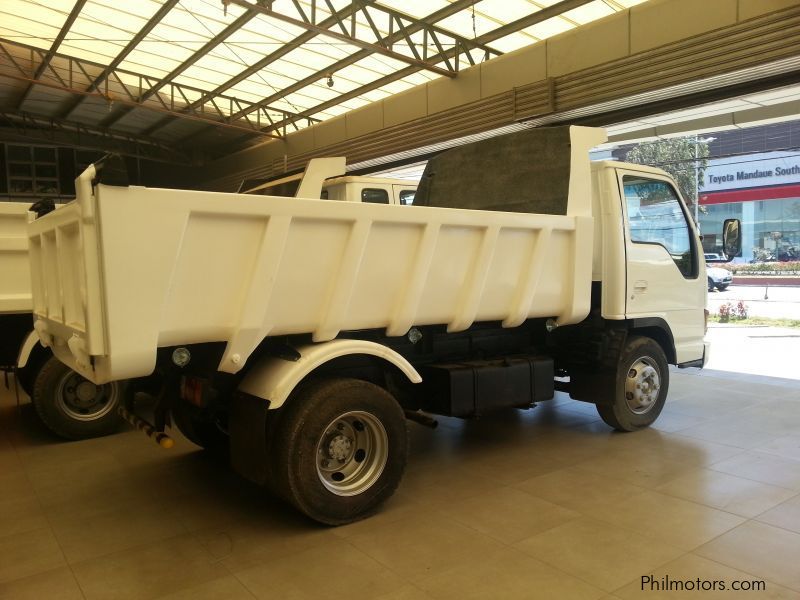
66,403
298,332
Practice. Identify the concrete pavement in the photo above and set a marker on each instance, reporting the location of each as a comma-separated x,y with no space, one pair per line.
756,350
766,351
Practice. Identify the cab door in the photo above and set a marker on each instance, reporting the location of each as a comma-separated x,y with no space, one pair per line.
665,274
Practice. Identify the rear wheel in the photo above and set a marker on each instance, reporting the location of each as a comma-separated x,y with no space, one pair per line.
73,407
340,449
640,387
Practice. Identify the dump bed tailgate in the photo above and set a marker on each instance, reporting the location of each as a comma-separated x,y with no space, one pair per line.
66,279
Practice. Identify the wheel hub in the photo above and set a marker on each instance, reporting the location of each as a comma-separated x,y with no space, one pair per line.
86,392
352,453
642,385
340,447
82,400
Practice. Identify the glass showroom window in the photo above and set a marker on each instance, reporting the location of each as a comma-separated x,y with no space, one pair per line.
712,216
770,228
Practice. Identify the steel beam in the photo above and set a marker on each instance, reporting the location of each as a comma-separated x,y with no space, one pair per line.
134,103
539,16
259,65
232,28
172,103
410,26
500,32
394,37
76,10
445,12
129,47
283,51
349,38
27,127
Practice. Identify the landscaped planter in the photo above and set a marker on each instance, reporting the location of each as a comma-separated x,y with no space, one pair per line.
752,279
767,273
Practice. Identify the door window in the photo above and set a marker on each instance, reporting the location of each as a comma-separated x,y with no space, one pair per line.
407,197
375,196
655,216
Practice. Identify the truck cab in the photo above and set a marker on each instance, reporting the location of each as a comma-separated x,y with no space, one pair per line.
325,178
648,257
374,190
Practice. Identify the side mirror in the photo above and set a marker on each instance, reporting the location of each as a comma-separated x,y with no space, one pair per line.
731,238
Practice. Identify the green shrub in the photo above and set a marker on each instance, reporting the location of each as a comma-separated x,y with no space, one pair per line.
766,267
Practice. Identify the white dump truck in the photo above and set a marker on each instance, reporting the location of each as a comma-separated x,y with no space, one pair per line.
300,334
68,404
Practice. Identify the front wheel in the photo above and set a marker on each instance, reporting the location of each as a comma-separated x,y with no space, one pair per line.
722,287
642,382
340,449
710,284
73,407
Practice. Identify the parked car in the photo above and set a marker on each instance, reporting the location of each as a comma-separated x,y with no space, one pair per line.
718,278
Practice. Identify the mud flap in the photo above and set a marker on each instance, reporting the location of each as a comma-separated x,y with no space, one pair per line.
596,381
247,427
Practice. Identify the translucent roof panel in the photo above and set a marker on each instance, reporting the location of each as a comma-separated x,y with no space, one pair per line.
104,28
274,58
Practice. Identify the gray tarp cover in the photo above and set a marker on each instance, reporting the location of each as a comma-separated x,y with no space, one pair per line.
526,172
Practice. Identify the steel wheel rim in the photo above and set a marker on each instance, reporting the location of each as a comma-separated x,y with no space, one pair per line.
81,400
352,453
642,385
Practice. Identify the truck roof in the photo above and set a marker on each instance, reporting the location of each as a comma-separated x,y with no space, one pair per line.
616,164
368,179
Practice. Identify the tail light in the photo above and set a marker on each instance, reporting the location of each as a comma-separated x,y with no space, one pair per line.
705,320
192,390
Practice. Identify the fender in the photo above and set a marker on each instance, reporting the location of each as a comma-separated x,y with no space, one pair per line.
27,348
274,379
657,324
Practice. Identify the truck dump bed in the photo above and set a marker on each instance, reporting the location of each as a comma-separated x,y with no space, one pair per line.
122,271
15,281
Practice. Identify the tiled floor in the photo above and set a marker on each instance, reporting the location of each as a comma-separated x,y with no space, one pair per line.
546,503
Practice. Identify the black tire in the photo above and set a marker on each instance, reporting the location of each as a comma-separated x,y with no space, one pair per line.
199,427
339,450
710,285
26,376
642,361
723,287
26,379
73,407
